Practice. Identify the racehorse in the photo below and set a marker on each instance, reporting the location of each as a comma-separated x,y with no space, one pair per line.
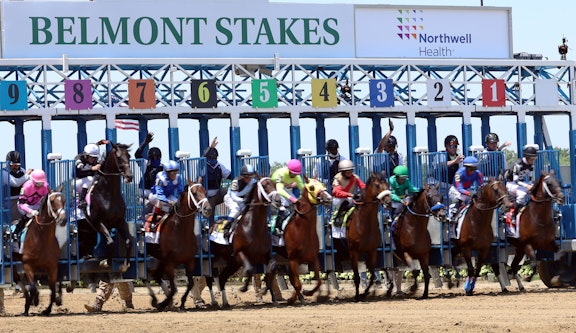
363,228
537,227
301,238
251,241
41,250
178,244
107,207
476,232
411,236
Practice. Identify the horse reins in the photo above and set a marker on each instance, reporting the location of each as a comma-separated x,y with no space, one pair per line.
498,201
199,205
119,173
55,214
550,197
268,197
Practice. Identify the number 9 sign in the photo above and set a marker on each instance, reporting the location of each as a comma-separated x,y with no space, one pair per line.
13,95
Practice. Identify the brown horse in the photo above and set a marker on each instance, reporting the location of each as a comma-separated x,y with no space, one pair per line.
537,226
41,250
178,244
411,236
301,238
251,242
363,228
476,232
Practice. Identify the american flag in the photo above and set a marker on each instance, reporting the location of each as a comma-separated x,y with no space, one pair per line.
127,124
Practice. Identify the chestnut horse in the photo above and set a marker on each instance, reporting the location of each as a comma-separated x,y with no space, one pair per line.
476,232
251,241
178,244
41,250
363,228
301,238
537,227
411,236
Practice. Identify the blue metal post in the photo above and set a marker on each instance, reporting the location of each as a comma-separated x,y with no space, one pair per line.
466,138
320,135
432,135
263,136
294,140
376,131
410,145
572,141
521,137
204,134
539,132
46,146
19,143
235,145
81,136
485,127
143,131
111,134
173,142
354,135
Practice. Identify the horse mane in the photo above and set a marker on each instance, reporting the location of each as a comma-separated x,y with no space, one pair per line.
536,186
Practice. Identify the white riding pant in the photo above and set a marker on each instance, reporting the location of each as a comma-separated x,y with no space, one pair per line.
518,191
234,207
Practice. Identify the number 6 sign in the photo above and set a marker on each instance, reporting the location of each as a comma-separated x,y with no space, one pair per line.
493,93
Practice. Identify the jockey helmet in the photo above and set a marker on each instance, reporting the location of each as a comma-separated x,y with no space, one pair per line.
345,165
38,176
530,151
92,150
295,166
154,152
13,157
450,140
470,161
171,166
211,153
392,141
247,170
332,144
491,138
401,171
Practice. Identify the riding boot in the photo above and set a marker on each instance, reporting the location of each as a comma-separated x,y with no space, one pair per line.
279,221
19,227
228,226
82,199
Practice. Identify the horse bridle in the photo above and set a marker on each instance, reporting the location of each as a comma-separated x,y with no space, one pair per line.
317,197
56,215
550,196
199,205
269,198
428,208
119,173
498,201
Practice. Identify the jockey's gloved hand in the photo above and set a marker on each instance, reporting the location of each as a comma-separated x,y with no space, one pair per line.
437,207
471,193
172,202
34,213
293,199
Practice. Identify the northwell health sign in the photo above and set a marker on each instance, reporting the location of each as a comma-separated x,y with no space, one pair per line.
250,29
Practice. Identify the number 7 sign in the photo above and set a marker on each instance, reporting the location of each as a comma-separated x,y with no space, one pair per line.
493,93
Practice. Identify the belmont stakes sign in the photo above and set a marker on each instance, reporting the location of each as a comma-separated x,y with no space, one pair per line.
249,29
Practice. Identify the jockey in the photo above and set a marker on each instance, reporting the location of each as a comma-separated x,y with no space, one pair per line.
169,185
153,164
215,172
522,180
30,196
464,179
286,179
344,188
87,165
237,194
16,175
401,187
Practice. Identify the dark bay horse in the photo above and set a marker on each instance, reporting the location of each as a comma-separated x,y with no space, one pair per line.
363,228
107,206
178,244
251,241
411,236
537,226
476,233
301,238
41,250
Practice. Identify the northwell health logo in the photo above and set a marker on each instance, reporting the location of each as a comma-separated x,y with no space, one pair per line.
411,23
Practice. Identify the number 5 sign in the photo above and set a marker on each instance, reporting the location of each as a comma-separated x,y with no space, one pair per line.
493,93
264,94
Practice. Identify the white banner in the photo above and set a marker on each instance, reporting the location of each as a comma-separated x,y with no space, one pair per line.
250,29
433,32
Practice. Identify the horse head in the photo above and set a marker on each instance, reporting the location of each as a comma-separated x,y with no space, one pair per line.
434,201
549,185
377,187
193,199
494,194
56,207
119,161
317,192
267,192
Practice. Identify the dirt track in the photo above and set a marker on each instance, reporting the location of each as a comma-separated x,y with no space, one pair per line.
538,309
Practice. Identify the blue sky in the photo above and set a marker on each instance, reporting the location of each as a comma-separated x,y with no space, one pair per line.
538,27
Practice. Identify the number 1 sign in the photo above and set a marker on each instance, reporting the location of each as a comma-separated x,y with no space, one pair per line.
493,93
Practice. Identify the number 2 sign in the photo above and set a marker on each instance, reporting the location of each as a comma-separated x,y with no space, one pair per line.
493,93
438,92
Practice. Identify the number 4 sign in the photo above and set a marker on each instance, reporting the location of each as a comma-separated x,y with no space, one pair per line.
493,93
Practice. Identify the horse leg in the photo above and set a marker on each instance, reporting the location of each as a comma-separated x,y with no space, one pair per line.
52,277
426,272
295,280
151,292
470,281
248,270
515,267
318,279
496,269
354,264
533,261
231,268
125,234
371,265
389,283
170,296
210,283
189,286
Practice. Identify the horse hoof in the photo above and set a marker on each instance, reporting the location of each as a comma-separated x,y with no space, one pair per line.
556,282
45,313
505,291
104,264
243,289
469,293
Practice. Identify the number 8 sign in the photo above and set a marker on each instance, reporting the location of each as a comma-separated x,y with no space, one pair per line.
77,94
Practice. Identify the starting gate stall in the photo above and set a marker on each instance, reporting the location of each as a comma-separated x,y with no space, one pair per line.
5,222
366,164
